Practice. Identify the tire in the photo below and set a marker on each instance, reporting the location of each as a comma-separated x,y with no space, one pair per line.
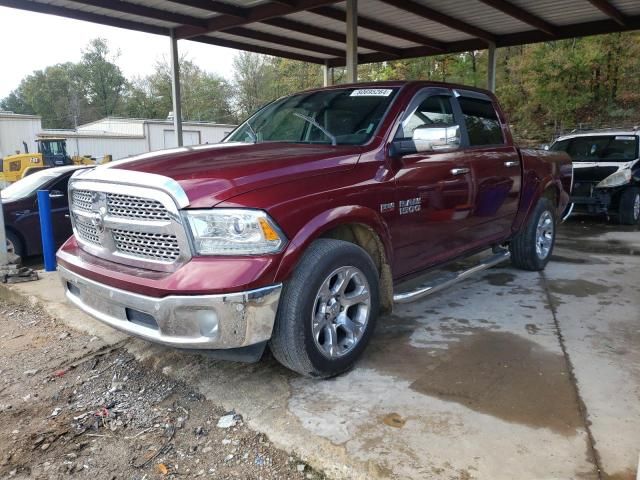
532,247
14,243
310,315
629,206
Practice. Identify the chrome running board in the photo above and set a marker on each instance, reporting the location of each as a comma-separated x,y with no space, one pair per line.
449,279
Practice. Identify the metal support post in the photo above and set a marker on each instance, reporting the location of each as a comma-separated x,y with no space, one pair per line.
175,88
491,68
4,260
327,74
352,41
46,231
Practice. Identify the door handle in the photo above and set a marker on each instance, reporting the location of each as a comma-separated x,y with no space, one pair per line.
459,171
511,163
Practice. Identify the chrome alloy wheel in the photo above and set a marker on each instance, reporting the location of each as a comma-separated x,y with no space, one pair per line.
636,207
544,235
341,311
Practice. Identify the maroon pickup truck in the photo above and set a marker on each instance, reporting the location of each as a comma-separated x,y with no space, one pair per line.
298,229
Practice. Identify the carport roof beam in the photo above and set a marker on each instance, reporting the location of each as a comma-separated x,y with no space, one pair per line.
608,9
254,14
435,16
522,15
388,29
381,27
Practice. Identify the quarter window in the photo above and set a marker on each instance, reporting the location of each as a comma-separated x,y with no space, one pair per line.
482,122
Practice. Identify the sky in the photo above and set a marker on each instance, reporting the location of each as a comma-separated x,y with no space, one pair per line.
41,40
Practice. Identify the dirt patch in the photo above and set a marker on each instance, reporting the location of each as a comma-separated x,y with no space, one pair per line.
497,373
71,406
577,288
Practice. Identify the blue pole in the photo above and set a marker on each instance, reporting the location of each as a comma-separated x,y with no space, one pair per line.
46,230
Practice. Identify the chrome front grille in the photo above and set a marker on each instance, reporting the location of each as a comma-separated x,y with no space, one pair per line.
129,206
138,225
155,246
82,200
87,232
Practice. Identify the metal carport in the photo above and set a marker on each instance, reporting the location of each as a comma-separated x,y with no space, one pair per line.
336,33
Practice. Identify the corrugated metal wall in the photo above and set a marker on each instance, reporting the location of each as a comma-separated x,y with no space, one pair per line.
15,129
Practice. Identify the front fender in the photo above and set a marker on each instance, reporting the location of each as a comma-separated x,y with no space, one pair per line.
327,221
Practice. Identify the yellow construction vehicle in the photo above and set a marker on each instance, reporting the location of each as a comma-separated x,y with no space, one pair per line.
52,152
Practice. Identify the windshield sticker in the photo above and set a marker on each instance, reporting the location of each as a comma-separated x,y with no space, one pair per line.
372,92
625,137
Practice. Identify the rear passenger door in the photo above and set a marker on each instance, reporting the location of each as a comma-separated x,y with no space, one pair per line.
495,168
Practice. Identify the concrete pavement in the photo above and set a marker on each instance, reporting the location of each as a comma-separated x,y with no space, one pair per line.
508,375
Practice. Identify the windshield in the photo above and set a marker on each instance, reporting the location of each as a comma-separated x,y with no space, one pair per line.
605,148
347,116
55,147
28,185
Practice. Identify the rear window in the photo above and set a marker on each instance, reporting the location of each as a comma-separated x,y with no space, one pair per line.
605,148
482,122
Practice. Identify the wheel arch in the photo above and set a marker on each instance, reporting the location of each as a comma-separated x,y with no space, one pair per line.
359,225
20,238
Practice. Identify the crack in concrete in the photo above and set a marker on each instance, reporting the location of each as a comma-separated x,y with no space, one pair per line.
582,408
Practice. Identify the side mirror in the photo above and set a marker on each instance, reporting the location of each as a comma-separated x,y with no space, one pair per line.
428,138
55,194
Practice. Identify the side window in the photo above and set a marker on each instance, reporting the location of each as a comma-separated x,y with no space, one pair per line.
61,185
434,110
482,122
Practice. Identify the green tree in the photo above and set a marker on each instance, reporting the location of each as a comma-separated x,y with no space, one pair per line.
205,96
54,93
103,80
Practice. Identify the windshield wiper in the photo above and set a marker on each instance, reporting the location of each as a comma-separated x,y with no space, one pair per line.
313,122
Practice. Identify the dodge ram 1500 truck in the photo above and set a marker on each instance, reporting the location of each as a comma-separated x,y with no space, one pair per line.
300,227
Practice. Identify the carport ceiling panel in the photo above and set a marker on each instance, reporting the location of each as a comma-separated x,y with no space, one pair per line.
627,7
563,12
288,34
383,12
175,7
330,24
478,14
471,12
80,7
273,46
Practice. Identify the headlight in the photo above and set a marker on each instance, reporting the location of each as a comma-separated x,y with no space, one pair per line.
616,179
223,231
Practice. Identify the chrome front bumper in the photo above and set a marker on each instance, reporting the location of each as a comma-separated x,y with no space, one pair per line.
224,321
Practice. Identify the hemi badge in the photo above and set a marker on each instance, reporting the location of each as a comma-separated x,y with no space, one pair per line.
387,207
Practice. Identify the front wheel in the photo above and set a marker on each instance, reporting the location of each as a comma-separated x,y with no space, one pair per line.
531,248
328,310
629,207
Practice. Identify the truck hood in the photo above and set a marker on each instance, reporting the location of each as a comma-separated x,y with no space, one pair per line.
210,174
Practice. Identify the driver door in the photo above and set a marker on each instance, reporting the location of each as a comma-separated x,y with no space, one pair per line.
433,189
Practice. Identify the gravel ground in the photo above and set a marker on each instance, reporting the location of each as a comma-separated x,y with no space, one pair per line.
70,406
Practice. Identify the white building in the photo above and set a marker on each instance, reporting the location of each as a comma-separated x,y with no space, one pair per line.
125,137
16,131
118,137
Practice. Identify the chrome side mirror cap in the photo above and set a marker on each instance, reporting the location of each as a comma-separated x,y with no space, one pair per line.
436,138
